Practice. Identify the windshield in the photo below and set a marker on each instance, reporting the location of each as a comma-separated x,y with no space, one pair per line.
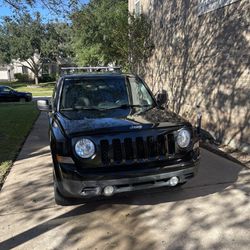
91,93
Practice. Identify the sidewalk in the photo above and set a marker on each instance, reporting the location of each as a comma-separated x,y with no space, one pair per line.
211,212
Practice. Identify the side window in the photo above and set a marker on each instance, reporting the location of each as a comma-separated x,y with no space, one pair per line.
25,70
140,94
6,90
54,97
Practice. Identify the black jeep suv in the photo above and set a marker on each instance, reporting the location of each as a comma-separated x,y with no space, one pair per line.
108,134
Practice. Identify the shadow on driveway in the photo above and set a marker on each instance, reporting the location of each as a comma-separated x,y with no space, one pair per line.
211,211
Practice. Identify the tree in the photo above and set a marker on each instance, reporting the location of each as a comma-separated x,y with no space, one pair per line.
32,42
104,32
140,42
101,26
56,6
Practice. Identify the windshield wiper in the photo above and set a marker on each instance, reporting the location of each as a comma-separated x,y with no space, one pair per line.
80,108
124,106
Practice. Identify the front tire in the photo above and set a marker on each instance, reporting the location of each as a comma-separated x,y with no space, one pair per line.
65,201
181,184
22,100
59,198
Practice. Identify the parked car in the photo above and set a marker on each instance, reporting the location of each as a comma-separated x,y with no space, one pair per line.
8,94
109,134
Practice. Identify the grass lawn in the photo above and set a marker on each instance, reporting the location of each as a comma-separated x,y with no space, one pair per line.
16,120
42,89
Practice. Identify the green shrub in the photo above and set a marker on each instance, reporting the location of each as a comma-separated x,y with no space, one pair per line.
47,78
21,77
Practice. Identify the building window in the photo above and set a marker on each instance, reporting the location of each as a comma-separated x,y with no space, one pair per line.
137,7
24,70
205,6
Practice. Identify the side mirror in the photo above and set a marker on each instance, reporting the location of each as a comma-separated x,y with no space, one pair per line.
43,105
162,97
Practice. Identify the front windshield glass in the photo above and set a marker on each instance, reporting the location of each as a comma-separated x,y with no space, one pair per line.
103,93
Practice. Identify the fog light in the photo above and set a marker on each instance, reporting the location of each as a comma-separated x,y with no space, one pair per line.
108,191
173,181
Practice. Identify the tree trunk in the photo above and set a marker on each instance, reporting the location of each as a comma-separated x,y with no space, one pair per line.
36,79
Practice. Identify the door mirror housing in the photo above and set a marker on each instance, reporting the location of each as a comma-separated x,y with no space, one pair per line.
43,105
162,98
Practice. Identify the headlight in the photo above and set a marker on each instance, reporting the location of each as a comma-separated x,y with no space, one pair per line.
183,138
85,148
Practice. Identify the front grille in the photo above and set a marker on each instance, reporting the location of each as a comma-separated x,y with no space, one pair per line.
118,150
105,151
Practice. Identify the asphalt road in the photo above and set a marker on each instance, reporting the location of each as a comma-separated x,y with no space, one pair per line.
210,212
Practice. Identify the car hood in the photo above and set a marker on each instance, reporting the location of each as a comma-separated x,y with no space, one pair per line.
109,121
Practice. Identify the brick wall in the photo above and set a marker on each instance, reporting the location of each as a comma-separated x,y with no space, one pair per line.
203,59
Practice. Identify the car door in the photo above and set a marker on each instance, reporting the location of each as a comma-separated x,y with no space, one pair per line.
3,96
7,95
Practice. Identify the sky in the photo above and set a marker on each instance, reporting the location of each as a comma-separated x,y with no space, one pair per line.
6,10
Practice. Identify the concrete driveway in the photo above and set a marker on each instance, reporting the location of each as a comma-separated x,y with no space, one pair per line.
211,212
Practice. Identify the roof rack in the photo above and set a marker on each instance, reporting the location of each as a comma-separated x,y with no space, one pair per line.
72,70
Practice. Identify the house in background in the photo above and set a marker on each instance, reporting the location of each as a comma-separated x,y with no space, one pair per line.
7,72
48,68
202,56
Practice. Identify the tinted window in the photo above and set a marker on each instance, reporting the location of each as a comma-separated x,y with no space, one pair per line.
5,90
140,94
54,96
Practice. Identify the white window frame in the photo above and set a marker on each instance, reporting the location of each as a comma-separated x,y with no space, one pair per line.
205,6
25,70
137,13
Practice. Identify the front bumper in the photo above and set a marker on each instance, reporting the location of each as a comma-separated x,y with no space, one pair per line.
28,98
73,184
